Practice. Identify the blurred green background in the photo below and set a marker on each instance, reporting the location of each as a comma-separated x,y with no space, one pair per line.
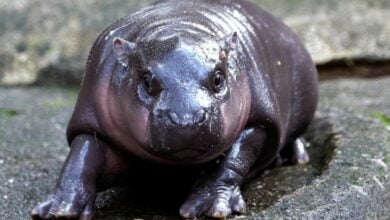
48,42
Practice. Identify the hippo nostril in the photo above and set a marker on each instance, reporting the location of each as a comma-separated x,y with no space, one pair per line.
200,116
174,118
159,113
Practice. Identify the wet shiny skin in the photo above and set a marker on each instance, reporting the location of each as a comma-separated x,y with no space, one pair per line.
186,82
186,110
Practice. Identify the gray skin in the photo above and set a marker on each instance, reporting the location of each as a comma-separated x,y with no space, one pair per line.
185,83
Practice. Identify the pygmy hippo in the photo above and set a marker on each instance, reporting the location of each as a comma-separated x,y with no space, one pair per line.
182,83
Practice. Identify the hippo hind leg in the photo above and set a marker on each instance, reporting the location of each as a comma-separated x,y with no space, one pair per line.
294,153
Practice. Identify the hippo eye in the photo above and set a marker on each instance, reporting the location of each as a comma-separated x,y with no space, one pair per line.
218,81
147,83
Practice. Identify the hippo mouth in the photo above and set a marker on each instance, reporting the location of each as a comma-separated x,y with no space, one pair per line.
186,155
190,155
188,146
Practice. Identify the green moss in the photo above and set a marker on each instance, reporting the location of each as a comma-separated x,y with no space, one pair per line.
59,103
8,112
68,99
70,92
384,118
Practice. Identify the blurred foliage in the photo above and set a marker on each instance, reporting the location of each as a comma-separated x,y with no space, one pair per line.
50,40
384,118
7,112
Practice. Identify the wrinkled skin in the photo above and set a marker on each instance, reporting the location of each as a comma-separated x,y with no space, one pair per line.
186,83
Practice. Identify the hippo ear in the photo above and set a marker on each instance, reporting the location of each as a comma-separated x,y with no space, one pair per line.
230,42
228,45
123,49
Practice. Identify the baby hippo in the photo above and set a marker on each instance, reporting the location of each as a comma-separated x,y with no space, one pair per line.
183,83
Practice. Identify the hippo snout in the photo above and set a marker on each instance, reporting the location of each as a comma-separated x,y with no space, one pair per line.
172,119
188,119
187,134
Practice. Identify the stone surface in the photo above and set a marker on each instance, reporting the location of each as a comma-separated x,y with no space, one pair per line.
347,178
48,41
333,29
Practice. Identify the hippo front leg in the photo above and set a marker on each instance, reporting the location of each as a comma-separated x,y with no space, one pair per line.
75,191
218,194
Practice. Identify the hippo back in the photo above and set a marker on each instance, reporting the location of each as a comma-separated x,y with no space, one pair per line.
281,74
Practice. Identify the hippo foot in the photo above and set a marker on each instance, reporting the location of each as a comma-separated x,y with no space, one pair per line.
300,155
67,203
217,201
293,154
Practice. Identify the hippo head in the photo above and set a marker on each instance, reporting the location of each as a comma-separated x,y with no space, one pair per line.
196,96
